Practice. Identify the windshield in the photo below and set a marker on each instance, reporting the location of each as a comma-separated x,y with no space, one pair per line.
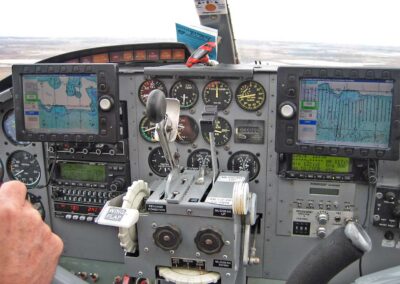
276,32
314,32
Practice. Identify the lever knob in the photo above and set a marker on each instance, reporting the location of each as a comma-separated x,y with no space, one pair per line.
156,106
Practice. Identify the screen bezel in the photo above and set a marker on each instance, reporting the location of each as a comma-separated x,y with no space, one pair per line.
107,86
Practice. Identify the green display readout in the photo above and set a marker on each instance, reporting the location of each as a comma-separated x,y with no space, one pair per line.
323,164
83,172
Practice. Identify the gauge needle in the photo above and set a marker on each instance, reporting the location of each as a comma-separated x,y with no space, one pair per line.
184,99
20,172
247,96
216,91
150,129
217,131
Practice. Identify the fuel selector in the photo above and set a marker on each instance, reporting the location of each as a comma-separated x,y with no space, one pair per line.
167,237
209,241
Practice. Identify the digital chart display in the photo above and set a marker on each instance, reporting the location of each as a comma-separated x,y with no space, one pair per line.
345,112
61,103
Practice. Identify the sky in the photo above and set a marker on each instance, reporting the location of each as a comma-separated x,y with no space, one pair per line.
366,22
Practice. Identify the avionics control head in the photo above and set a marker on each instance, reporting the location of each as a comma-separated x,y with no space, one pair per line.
338,111
66,102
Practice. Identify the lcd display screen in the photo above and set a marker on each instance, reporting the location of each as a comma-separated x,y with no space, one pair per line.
55,103
345,112
322,164
324,191
83,172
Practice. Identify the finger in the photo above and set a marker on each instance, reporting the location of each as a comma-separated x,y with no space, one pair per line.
13,192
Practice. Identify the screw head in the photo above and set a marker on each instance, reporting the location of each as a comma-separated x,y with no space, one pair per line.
140,273
171,251
227,243
225,256
228,275
146,249
154,225
189,211
197,254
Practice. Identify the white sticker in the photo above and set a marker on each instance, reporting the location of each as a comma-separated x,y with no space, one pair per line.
211,7
219,201
388,243
223,178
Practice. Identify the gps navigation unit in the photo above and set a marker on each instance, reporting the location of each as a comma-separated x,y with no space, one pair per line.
64,102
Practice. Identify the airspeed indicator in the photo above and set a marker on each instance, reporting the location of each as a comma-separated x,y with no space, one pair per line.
250,95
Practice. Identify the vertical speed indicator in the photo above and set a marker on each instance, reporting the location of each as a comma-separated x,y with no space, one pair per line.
250,95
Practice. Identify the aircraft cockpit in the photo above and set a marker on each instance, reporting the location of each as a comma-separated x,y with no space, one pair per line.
159,163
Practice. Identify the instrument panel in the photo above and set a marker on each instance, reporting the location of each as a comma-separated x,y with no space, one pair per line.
287,185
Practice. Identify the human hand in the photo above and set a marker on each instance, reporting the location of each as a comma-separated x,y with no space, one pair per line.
29,251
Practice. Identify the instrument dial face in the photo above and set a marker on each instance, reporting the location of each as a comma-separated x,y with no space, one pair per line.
250,95
217,93
149,85
24,167
157,162
198,158
147,130
244,161
9,128
222,132
188,130
186,92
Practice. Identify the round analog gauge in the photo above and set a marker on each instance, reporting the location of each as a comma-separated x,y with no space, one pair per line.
186,92
1,172
198,158
149,85
24,167
188,130
222,132
158,163
244,161
147,130
217,93
9,128
250,95
37,204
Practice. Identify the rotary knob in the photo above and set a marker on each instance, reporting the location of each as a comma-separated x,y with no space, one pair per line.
322,218
287,110
390,196
106,103
117,184
321,232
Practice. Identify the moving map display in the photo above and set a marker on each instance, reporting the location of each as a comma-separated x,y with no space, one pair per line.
345,112
61,103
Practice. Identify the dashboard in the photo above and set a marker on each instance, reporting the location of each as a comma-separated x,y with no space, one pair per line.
306,184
